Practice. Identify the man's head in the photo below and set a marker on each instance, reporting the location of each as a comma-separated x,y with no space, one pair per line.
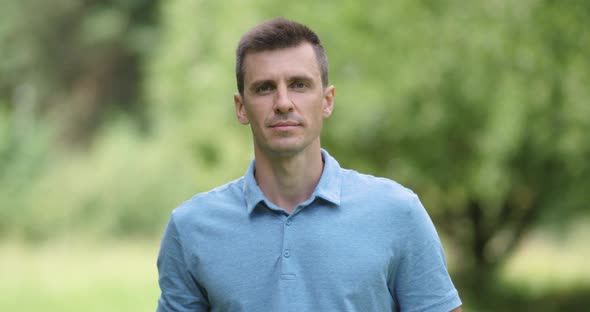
278,33
282,75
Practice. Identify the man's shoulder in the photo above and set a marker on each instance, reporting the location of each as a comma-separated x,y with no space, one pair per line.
372,183
376,189
225,195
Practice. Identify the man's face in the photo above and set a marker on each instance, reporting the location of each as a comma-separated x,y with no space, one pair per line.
284,100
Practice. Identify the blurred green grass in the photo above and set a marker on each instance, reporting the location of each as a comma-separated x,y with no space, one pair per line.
549,263
79,276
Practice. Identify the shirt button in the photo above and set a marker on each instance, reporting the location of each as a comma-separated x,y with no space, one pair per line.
288,222
286,253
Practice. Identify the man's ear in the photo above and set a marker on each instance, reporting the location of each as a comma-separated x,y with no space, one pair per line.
240,109
328,101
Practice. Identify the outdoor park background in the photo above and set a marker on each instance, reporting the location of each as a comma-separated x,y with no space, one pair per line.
114,112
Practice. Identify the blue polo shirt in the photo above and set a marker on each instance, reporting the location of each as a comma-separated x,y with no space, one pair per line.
359,243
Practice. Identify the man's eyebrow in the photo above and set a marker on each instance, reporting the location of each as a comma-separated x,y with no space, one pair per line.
300,77
257,83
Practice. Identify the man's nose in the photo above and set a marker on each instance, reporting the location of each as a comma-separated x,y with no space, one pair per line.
283,103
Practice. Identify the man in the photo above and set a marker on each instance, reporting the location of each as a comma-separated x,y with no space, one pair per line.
297,232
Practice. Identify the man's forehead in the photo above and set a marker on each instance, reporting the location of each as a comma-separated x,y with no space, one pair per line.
302,46
298,60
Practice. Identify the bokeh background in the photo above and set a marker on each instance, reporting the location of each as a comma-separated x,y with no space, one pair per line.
112,113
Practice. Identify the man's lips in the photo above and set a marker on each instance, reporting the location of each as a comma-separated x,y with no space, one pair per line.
284,124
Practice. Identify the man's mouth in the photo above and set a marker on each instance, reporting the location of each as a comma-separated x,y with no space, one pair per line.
285,124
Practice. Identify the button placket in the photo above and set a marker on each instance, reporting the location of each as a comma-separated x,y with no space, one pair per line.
287,272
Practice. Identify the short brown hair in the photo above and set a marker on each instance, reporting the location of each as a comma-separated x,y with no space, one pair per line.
278,33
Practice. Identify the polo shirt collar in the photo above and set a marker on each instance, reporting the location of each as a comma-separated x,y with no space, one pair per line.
328,187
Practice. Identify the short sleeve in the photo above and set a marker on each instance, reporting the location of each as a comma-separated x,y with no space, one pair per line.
422,282
179,290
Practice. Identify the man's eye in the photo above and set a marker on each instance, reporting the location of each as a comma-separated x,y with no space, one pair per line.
263,88
299,85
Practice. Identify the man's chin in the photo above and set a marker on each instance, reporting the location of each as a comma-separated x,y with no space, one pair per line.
284,150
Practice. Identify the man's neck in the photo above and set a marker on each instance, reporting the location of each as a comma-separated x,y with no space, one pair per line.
288,181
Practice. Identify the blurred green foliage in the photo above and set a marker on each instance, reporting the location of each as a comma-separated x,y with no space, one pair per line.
480,107
113,112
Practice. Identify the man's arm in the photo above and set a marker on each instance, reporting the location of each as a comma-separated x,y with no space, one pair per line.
458,309
422,281
180,292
